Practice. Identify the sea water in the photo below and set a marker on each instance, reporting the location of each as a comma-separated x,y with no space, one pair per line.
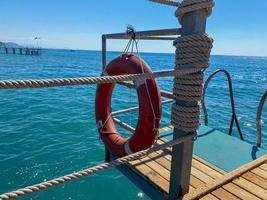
50,132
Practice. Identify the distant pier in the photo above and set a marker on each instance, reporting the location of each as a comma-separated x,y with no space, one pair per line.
22,50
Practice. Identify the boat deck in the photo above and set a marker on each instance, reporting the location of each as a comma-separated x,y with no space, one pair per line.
207,181
246,182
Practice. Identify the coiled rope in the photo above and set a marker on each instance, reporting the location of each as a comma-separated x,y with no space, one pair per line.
92,170
191,51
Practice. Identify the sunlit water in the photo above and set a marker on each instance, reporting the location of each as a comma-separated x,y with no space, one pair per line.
46,133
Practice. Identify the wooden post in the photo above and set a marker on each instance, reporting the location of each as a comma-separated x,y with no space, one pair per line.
192,23
104,51
20,51
6,50
14,51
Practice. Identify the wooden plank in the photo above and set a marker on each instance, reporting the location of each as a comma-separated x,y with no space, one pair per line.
214,167
260,172
264,167
158,162
153,177
258,180
153,192
206,163
238,191
194,182
224,194
164,162
205,169
159,157
165,173
205,177
209,197
160,165
200,175
251,187
234,175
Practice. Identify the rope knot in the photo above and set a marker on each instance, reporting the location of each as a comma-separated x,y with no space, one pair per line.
192,5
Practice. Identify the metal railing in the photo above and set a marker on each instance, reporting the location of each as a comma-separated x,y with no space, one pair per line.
259,116
234,117
161,34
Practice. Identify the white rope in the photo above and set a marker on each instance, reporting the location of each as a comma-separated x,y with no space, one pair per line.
16,84
166,2
147,90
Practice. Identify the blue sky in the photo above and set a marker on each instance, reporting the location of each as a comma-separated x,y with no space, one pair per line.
239,27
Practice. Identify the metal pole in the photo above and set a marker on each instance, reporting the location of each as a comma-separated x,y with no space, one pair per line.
104,63
104,51
258,120
192,23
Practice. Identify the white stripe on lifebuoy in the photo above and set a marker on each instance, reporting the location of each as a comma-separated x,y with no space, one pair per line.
127,148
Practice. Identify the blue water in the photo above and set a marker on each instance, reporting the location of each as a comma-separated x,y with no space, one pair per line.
46,133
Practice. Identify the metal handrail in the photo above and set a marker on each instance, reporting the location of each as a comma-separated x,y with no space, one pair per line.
258,119
161,34
234,117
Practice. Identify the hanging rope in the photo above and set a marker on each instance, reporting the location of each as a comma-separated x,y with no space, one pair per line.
90,171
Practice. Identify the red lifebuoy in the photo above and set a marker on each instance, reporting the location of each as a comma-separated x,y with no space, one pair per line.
149,118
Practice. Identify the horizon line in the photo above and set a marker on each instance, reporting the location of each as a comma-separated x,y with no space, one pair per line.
116,51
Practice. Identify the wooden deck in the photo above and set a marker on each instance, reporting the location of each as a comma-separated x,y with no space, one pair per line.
246,182
205,180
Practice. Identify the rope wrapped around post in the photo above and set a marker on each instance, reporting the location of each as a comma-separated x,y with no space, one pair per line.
92,170
191,51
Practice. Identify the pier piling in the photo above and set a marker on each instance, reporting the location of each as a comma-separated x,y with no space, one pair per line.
22,51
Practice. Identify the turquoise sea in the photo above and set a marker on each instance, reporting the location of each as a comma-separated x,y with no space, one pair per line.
46,133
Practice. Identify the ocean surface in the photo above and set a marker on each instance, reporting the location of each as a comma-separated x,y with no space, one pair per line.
46,133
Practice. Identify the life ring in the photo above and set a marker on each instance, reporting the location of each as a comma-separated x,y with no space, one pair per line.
149,100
